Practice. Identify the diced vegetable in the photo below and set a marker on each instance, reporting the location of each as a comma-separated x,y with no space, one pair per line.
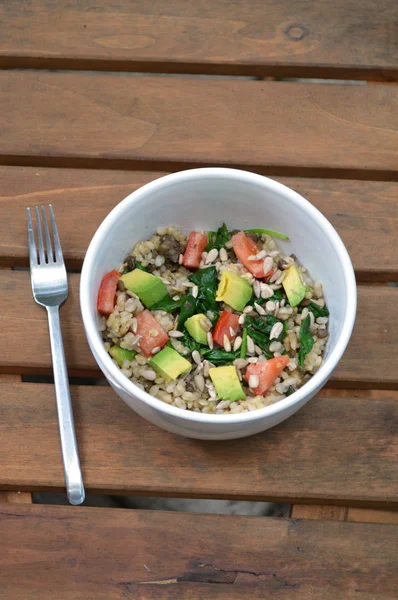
151,332
270,232
197,243
121,354
149,288
227,384
244,247
306,340
225,323
267,371
234,290
169,364
107,293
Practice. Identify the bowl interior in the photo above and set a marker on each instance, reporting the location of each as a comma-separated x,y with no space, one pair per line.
204,200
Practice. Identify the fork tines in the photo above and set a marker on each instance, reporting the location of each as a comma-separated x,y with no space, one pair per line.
47,253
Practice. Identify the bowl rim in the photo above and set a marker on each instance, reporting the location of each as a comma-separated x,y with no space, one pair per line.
113,373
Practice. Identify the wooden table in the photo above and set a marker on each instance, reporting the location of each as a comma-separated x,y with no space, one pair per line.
82,136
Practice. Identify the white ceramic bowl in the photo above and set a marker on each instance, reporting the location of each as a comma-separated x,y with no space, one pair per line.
203,199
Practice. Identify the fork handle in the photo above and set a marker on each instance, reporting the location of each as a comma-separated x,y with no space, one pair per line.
70,454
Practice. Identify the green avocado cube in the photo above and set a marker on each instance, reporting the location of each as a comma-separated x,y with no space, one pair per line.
169,364
195,328
294,287
227,384
234,290
149,289
121,354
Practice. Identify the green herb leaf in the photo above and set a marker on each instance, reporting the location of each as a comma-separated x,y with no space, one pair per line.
306,340
188,308
139,266
243,348
207,282
219,238
168,304
189,343
219,357
317,311
276,234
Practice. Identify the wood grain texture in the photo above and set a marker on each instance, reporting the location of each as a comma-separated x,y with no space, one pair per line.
333,451
319,511
115,554
369,361
245,38
83,119
364,213
15,498
344,513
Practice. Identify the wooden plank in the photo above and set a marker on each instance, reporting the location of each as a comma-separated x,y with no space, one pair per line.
15,498
333,451
343,513
367,515
370,359
250,38
52,119
319,511
82,198
114,554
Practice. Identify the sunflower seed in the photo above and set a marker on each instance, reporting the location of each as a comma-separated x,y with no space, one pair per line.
241,320
232,332
259,309
210,341
196,357
240,363
227,344
155,350
266,291
253,381
250,345
175,334
195,291
267,265
212,255
199,382
247,309
134,325
276,331
223,255
237,343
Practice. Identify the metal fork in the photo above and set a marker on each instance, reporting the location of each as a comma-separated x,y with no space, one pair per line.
50,289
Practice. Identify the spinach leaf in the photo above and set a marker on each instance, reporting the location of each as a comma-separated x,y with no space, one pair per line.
276,234
139,266
290,390
189,343
317,311
243,348
277,297
207,282
219,238
219,357
168,304
188,308
306,340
